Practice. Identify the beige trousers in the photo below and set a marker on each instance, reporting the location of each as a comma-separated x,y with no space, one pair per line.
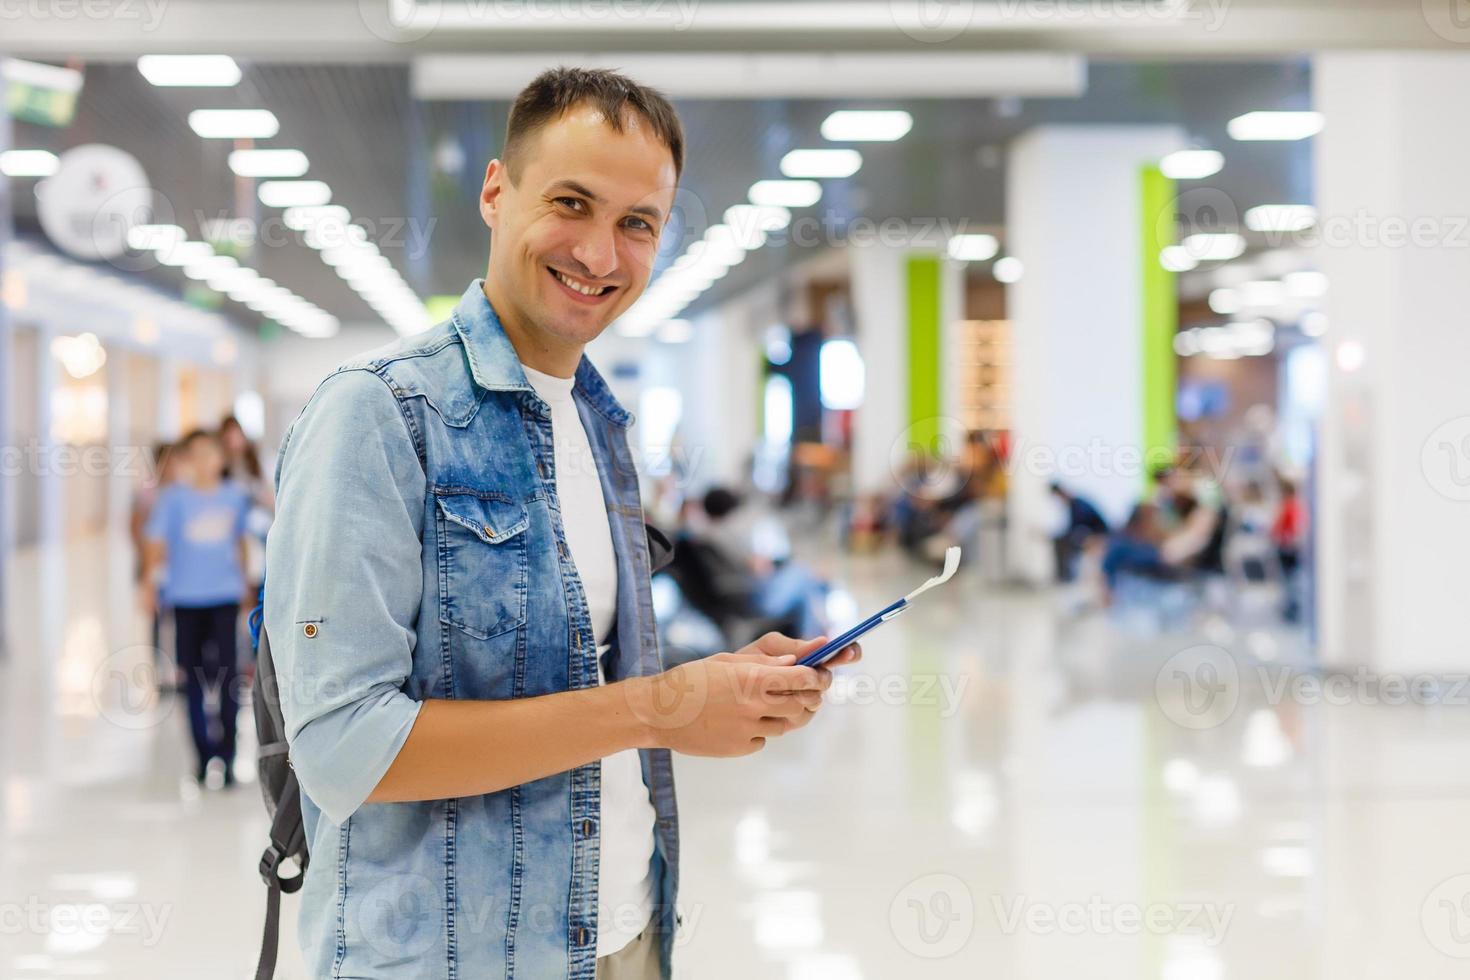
636,961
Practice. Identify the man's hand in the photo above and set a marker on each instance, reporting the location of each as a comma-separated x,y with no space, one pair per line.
729,704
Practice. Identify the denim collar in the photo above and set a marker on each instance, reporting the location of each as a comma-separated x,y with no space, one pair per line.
495,366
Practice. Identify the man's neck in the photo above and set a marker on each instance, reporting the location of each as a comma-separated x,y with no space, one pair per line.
205,486
535,347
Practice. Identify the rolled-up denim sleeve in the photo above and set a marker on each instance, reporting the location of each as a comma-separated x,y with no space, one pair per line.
343,585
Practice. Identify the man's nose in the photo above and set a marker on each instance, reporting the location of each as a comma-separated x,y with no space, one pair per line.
597,251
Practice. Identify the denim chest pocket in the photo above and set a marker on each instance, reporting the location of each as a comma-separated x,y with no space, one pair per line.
483,565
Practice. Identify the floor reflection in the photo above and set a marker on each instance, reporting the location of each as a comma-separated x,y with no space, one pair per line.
1002,788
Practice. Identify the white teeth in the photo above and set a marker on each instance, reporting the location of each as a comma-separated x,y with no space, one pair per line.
584,290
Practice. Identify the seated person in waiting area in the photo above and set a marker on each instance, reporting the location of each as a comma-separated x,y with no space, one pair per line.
459,607
1084,525
788,592
1137,549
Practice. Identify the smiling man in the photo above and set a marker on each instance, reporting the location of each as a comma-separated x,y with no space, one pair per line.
459,602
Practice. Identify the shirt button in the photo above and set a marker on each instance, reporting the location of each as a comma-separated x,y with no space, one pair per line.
582,936
309,629
586,828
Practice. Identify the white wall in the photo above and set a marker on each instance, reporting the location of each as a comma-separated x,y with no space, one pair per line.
1393,503
1073,219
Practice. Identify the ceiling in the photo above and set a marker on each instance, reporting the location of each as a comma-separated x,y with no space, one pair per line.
410,170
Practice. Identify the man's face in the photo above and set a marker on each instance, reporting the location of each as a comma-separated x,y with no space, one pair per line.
575,236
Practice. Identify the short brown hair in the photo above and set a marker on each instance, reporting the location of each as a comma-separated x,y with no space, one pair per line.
556,90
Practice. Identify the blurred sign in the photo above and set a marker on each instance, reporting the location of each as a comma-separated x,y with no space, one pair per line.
39,93
96,195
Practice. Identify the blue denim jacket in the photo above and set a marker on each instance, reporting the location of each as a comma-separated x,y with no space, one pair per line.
419,553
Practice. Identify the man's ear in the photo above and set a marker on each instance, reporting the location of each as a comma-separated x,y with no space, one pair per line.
495,181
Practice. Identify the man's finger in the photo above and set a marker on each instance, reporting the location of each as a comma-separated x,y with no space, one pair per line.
791,705
784,679
778,644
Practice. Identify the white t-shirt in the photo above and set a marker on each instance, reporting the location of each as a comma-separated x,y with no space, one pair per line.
625,879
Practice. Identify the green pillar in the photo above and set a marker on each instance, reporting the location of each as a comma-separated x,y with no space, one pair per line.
1160,319
922,283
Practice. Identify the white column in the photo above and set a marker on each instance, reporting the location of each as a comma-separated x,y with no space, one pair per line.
1393,476
719,377
50,490
168,398
7,483
1074,219
881,314
120,438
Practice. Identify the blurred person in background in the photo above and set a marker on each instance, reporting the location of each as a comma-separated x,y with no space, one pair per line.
162,471
787,592
1137,550
1084,525
1192,514
1288,532
979,502
196,533
243,468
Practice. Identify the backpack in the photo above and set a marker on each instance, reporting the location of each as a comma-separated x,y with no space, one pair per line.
278,779
282,794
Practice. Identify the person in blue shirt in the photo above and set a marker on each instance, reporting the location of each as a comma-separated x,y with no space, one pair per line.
196,531
1084,524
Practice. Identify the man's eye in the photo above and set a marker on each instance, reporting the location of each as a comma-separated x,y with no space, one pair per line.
638,224
574,203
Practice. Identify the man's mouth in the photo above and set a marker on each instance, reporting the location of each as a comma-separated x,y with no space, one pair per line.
581,289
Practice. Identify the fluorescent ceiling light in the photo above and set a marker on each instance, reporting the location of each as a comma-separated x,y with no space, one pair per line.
785,193
973,248
151,237
1217,247
1281,217
268,163
29,163
299,219
1008,269
867,125
193,70
1224,301
210,268
768,218
1255,126
231,124
184,253
39,75
1176,258
830,163
1192,164
294,193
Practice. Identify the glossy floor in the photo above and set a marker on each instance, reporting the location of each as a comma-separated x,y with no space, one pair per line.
1001,789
